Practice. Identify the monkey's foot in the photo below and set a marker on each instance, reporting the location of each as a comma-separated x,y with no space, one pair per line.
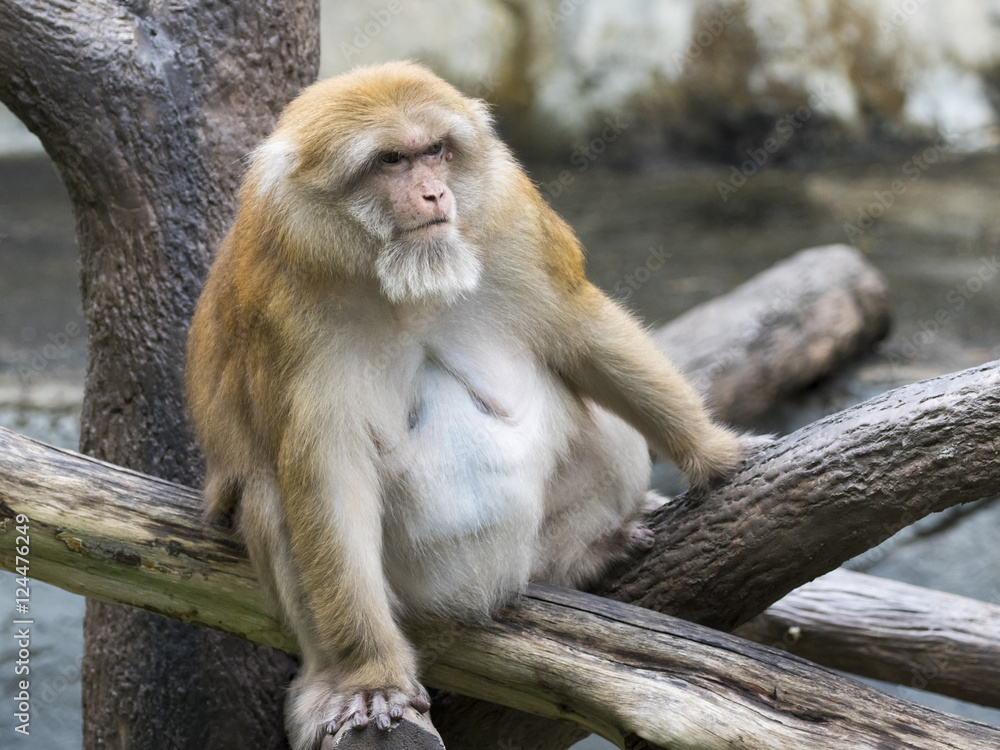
316,710
640,539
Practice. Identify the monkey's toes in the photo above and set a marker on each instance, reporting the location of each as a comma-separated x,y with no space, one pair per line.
352,711
383,706
642,539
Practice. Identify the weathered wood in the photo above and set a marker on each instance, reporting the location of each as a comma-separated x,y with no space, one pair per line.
891,631
148,110
149,546
624,672
781,331
818,497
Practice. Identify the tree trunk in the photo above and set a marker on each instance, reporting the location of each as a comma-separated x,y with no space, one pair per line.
148,109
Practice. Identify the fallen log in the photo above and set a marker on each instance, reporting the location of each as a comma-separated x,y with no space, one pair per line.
781,331
800,508
149,547
890,631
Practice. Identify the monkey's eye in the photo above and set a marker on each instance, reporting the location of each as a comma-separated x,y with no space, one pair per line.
390,157
434,149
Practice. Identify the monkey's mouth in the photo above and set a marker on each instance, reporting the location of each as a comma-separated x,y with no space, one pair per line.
431,223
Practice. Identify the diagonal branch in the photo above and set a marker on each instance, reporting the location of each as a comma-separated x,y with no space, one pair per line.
820,496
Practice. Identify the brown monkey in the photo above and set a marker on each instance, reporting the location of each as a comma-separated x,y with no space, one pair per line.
408,392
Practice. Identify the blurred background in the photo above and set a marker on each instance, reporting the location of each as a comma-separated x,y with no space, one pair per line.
724,135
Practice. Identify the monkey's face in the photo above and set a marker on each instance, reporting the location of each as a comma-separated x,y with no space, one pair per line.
411,209
385,172
416,184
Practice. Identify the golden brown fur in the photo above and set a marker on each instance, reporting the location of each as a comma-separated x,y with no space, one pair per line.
413,415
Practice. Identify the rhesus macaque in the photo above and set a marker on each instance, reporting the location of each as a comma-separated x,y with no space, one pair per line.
409,395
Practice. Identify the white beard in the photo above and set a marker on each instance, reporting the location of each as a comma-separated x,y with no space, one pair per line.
415,268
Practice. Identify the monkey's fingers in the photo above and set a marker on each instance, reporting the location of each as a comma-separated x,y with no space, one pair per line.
359,707
382,713
641,539
353,710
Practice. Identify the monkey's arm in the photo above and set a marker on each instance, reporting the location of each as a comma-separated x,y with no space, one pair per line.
605,355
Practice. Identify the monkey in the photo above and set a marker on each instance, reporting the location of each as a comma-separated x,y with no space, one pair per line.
409,397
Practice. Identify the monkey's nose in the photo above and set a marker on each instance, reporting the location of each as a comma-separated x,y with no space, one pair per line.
433,196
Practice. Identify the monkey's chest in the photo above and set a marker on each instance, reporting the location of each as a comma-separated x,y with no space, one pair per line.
466,482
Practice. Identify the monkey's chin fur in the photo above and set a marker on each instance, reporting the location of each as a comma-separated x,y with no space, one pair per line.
419,267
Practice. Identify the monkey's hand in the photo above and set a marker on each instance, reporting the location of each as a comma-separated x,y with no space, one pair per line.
720,455
317,709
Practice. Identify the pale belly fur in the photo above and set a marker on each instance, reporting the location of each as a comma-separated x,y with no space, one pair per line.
464,487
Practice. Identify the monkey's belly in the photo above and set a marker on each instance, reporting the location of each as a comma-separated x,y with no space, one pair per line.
464,503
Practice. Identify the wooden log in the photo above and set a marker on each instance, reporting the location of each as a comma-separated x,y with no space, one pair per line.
148,545
781,331
891,631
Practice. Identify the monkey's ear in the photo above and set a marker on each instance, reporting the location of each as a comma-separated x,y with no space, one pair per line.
270,164
482,117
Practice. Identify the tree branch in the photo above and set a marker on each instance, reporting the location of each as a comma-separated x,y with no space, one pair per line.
818,497
891,631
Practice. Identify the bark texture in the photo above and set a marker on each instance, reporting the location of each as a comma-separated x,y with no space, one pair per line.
781,331
891,631
148,109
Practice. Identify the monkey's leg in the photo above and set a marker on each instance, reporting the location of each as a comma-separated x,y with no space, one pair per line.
597,502
327,562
